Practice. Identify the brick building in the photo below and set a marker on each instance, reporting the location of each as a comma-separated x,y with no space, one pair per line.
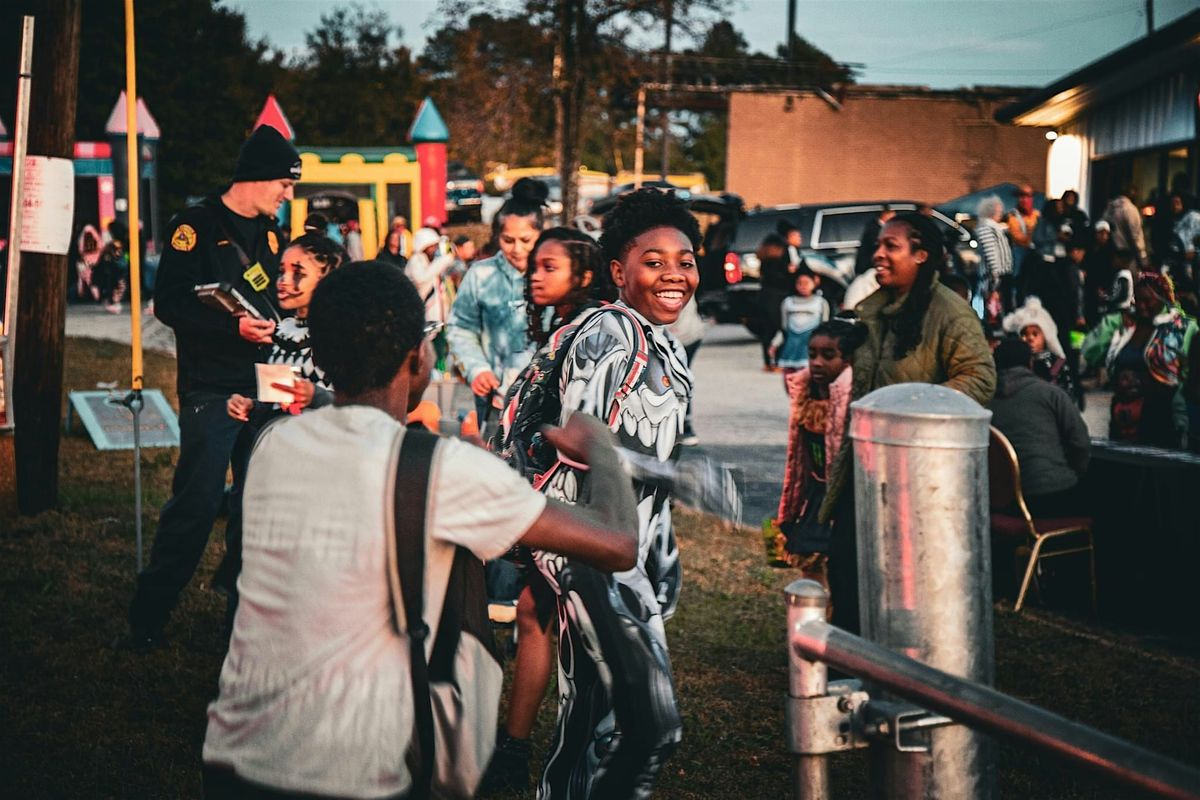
877,143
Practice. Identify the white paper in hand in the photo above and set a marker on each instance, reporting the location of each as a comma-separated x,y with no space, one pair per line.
266,374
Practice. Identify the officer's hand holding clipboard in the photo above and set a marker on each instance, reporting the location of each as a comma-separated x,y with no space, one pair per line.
252,326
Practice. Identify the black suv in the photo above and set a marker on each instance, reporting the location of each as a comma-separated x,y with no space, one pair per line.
831,232
464,193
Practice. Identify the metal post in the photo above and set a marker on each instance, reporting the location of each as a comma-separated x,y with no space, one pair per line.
806,602
134,402
924,561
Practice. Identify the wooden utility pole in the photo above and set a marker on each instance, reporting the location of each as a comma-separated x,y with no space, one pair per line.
568,100
639,141
669,17
37,387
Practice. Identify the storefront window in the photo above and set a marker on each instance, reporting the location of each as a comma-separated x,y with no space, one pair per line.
1152,173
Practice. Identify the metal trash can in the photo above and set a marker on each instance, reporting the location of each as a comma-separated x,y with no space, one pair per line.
924,566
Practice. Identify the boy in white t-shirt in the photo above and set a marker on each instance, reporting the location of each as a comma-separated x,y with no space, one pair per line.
315,693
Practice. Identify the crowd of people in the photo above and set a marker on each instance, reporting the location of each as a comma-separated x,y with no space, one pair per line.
1056,305
577,352
1110,304
100,266
550,330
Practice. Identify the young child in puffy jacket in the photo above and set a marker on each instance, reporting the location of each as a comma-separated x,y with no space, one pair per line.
820,395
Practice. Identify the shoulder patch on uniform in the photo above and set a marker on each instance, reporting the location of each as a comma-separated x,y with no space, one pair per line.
273,242
184,238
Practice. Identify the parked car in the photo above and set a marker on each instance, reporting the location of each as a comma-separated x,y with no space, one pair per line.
832,232
464,193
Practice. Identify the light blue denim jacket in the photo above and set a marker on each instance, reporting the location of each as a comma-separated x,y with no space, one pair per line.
486,329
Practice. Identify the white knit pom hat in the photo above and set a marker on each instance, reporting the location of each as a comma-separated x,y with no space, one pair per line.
1033,313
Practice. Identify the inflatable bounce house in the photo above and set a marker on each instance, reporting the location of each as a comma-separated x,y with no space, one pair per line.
372,185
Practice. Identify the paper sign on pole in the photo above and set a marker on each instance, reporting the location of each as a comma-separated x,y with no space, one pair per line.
48,205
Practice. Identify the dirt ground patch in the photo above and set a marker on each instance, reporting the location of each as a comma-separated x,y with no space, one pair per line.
81,719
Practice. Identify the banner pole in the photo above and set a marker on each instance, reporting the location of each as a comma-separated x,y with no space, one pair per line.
134,399
8,325
8,305
131,152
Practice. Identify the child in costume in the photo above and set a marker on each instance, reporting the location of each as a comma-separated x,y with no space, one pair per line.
820,395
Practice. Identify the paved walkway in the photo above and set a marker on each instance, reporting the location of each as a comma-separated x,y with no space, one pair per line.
741,416
93,322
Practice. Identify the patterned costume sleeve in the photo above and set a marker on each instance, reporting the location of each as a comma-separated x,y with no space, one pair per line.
596,364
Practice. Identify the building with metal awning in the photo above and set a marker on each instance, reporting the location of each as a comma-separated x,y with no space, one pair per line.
1129,119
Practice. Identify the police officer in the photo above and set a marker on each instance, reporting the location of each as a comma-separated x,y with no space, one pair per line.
230,238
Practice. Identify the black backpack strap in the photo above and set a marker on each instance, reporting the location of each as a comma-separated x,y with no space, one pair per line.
410,501
464,611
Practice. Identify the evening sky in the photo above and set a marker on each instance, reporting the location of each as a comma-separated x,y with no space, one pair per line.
937,43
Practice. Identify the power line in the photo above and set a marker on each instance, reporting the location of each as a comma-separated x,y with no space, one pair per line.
1008,36
949,70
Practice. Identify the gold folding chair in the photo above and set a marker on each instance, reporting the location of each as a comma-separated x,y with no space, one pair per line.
1004,483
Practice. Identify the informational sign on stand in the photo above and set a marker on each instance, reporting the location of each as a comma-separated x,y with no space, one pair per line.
110,424
48,205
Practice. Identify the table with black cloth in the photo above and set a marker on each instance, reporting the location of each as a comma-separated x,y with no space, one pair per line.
1146,506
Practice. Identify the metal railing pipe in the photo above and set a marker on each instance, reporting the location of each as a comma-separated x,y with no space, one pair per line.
988,710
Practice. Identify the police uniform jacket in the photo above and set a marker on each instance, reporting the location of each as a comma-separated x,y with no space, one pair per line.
207,246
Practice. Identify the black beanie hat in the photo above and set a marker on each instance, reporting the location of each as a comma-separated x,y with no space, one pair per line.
267,156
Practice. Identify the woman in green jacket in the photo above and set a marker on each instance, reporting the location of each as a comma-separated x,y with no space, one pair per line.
918,331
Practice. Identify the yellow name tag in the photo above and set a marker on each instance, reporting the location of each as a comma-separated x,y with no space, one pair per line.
256,276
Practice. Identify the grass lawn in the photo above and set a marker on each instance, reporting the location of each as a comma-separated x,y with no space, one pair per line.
80,719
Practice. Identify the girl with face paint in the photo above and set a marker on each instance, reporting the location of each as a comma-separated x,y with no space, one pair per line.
303,265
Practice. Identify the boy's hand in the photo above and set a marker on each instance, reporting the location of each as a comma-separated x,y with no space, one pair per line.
239,407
